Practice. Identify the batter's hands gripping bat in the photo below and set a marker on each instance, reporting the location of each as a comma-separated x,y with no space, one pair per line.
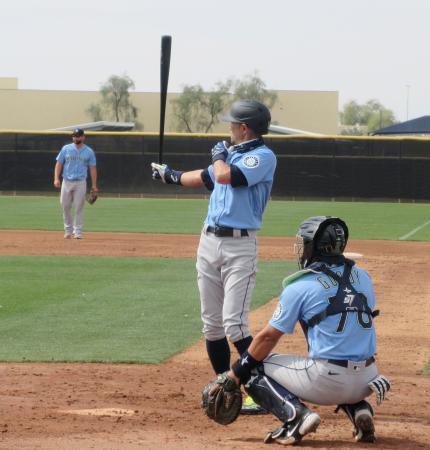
166,44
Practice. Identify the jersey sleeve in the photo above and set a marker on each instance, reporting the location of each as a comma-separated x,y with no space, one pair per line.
61,157
288,311
257,166
211,173
92,159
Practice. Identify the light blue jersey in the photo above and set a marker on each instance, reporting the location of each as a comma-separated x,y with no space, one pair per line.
243,206
76,162
332,338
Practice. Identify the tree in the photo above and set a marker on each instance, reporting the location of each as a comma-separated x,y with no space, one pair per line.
252,87
198,111
115,104
359,119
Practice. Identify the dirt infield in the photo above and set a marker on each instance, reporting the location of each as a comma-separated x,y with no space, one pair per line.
100,406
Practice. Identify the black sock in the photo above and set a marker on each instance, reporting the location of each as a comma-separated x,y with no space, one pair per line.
243,344
219,355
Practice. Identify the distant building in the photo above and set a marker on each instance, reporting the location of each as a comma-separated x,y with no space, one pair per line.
419,126
26,109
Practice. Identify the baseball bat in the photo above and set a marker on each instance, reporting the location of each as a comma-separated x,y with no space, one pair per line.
166,44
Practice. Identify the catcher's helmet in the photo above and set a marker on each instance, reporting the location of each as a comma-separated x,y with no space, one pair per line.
320,236
252,113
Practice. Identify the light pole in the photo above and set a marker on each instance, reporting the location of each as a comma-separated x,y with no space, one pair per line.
407,101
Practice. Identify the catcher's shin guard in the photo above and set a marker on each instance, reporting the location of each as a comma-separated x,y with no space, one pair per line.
271,396
361,415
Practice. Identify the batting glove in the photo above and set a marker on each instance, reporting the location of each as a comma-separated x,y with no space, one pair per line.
220,151
380,386
164,173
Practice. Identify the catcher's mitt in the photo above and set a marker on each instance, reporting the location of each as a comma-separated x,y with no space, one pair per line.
92,197
222,400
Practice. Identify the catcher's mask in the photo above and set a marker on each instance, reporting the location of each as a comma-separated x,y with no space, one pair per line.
320,237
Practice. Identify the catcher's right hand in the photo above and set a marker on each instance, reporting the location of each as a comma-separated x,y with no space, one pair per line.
222,400
380,385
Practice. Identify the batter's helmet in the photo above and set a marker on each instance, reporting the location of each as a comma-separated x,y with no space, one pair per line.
252,113
320,236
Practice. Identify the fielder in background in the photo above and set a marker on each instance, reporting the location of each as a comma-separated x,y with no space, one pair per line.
240,178
334,302
73,163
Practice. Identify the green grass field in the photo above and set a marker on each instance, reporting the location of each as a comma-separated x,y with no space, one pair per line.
366,220
144,310
106,309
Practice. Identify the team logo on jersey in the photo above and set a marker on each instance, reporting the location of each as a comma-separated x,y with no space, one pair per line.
251,161
278,312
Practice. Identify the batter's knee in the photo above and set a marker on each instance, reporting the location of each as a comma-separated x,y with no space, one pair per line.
236,332
213,333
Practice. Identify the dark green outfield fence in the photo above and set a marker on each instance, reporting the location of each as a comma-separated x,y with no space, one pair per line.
308,167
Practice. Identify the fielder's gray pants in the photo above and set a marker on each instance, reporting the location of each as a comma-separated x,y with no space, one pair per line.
319,382
73,193
226,270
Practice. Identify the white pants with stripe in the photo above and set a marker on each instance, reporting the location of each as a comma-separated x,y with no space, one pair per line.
226,271
73,193
320,382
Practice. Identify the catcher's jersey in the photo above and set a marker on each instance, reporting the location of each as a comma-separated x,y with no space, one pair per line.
334,337
76,162
243,206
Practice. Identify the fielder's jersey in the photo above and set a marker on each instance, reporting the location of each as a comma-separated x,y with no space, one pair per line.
243,206
334,337
76,162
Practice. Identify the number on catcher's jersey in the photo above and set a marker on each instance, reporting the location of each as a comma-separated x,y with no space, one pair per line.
364,319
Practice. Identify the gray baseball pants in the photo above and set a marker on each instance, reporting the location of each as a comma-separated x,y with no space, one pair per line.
320,382
226,271
73,193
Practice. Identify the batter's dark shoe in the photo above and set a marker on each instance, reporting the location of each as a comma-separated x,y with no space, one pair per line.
305,422
361,415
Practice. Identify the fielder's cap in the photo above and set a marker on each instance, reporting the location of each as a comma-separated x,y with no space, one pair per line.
77,132
252,113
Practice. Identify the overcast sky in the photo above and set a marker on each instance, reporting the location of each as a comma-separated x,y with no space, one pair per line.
363,49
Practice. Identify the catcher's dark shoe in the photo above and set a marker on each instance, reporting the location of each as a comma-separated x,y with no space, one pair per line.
305,422
361,415
249,407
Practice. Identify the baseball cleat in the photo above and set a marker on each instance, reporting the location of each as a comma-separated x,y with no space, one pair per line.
365,428
249,407
67,236
77,236
293,432
361,415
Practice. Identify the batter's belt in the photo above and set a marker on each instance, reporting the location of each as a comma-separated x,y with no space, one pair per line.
227,232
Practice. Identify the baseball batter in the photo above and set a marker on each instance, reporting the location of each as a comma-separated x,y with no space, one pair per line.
240,178
73,163
334,302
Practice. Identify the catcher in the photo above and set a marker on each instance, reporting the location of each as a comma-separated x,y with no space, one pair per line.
334,302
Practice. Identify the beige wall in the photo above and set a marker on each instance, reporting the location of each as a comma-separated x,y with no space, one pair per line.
8,83
315,111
